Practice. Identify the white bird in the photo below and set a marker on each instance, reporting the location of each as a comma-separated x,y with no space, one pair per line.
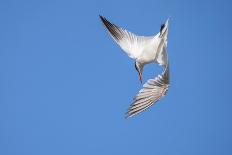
144,50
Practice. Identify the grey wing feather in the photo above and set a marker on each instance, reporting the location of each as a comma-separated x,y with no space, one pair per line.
152,91
116,32
129,42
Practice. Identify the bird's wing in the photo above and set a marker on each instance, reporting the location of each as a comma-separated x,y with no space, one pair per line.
129,42
161,57
152,91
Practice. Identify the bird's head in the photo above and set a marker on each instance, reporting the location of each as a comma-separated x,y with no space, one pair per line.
139,68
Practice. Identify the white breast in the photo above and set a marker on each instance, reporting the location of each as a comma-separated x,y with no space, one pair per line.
149,51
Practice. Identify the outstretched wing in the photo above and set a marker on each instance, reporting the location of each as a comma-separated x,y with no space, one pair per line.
129,42
161,56
152,91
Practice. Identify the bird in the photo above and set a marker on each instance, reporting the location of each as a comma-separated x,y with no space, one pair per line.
144,50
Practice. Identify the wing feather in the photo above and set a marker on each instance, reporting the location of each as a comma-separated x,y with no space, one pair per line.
152,91
132,44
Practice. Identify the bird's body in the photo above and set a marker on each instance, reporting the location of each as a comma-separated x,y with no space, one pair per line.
144,50
149,52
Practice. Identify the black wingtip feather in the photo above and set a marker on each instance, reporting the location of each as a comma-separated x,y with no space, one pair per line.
101,17
112,28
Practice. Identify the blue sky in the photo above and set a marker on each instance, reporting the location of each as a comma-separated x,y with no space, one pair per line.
65,85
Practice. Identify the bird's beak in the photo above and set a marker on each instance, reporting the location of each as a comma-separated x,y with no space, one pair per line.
140,77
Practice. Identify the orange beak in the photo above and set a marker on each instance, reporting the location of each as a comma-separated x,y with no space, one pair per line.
140,77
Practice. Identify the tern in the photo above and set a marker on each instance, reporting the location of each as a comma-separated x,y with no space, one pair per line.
144,50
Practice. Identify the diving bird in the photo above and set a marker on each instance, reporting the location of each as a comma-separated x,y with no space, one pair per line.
144,50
